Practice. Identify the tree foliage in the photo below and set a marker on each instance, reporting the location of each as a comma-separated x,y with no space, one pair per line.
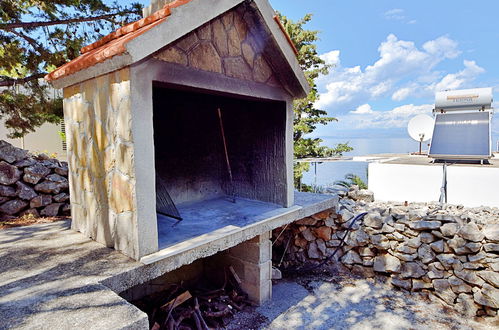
36,36
307,116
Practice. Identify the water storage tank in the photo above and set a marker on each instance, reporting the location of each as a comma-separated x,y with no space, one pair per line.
464,99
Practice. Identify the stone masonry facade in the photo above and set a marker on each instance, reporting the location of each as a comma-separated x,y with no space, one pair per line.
101,159
227,45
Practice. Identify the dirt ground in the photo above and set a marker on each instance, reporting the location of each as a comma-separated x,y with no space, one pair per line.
27,221
341,301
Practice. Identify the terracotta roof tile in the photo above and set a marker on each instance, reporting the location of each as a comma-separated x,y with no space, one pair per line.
114,43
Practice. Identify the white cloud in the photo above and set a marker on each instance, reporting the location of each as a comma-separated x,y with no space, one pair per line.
331,58
365,117
402,71
461,78
398,14
394,14
363,109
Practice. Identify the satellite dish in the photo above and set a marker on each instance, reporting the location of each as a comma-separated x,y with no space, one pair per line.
420,128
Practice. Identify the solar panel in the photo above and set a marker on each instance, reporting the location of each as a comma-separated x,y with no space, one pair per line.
461,136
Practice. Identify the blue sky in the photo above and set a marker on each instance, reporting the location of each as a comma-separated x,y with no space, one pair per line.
391,57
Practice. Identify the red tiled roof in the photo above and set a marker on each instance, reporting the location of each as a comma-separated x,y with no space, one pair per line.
114,43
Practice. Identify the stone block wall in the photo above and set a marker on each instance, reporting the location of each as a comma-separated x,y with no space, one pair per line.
452,253
101,160
31,185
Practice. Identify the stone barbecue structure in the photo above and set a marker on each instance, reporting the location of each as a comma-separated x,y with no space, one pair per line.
142,103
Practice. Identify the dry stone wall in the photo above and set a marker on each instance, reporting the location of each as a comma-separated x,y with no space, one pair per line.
31,185
452,254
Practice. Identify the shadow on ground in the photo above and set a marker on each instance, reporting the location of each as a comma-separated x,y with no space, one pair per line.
345,302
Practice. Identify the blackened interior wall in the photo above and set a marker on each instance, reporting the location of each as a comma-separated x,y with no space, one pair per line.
189,150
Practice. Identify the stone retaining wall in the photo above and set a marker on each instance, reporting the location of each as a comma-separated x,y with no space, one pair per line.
452,254
31,185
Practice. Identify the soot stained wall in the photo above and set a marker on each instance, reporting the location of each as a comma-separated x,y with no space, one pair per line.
189,152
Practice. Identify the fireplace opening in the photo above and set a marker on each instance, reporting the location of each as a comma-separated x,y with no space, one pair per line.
191,161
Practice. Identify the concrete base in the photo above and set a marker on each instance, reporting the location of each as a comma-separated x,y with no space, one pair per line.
416,179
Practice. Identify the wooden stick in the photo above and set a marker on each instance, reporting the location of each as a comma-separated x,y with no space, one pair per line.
234,274
178,300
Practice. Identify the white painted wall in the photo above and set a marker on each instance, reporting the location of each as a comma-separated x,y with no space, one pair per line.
469,186
45,139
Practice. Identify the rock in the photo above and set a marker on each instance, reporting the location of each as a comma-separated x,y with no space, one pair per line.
411,270
51,210
373,220
490,277
469,276
457,244
491,232
321,215
321,246
491,247
458,285
477,257
301,242
434,271
473,246
406,257
307,234
62,197
313,251
58,179
33,174
387,264
11,154
471,232
49,187
360,237
449,229
361,195
308,221
7,191
9,174
426,253
399,227
427,237
323,233
351,257
447,260
66,209
424,225
414,242
366,252
437,246
401,283
472,265
420,285
41,200
24,191
406,249
380,242
3,199
366,272
443,291
12,207
276,273
30,212
345,215
387,228
62,170
466,305
487,296
25,162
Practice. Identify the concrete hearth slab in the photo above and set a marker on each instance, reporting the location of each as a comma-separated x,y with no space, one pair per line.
54,278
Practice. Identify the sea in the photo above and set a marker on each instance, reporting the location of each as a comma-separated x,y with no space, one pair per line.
327,173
